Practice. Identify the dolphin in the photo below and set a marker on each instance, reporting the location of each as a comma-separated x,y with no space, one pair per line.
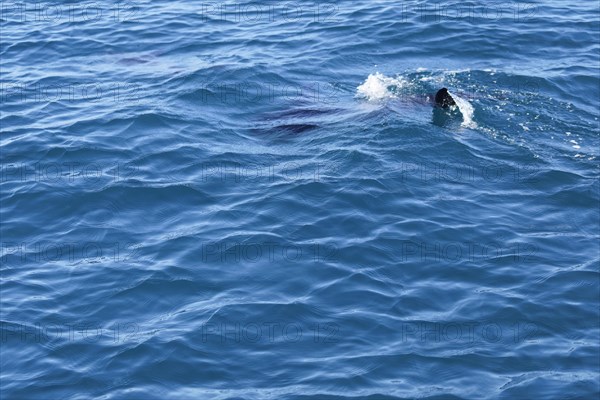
443,98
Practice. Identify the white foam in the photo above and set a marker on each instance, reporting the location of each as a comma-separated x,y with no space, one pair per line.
466,109
379,87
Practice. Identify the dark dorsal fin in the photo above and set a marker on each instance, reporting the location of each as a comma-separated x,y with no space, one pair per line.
443,98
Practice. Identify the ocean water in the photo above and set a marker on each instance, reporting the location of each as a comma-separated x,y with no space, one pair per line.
257,200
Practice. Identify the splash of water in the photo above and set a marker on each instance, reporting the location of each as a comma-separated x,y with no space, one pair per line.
380,87
466,109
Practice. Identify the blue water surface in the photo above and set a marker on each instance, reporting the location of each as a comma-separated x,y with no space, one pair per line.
257,200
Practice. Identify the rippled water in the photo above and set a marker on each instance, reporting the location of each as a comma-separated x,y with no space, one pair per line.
258,201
